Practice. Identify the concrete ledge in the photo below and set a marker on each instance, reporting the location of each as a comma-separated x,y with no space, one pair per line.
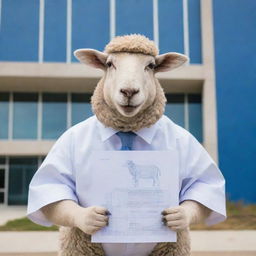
62,77
77,70
25,147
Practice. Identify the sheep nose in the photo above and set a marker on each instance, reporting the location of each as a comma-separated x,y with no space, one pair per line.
129,92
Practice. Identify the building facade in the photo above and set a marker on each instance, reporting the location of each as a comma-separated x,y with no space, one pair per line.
44,91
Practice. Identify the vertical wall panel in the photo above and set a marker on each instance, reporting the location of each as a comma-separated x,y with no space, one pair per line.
19,30
194,31
90,26
171,26
235,63
55,30
195,115
134,16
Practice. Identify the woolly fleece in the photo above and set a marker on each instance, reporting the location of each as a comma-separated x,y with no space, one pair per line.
76,243
110,117
133,43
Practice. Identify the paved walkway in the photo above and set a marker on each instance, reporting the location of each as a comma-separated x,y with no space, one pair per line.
11,213
204,243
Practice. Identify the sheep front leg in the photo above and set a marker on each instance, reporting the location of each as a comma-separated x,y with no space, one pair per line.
179,219
180,248
79,224
75,242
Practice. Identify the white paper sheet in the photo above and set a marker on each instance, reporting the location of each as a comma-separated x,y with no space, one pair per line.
135,186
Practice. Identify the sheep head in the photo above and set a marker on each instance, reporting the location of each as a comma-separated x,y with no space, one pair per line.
130,64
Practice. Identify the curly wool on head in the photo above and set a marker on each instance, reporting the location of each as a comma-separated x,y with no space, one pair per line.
107,114
134,43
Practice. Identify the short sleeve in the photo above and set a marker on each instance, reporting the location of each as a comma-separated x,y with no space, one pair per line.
202,181
53,181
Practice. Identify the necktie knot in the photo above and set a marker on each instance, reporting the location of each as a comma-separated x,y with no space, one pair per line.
126,139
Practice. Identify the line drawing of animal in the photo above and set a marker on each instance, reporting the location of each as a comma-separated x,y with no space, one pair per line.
143,172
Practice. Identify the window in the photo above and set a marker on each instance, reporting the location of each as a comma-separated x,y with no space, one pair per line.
1,197
2,179
2,160
14,184
4,113
21,171
81,107
195,115
54,115
186,111
175,108
2,184
25,115
60,110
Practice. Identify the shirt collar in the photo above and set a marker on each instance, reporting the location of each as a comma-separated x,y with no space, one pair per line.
146,134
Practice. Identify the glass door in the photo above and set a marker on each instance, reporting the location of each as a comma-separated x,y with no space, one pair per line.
2,185
21,171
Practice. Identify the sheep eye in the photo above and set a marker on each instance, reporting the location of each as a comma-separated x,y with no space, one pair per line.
109,64
151,66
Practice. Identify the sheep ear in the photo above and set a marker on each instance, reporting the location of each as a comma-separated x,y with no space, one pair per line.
169,61
92,58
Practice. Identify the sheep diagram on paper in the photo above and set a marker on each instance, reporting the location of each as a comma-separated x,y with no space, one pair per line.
135,186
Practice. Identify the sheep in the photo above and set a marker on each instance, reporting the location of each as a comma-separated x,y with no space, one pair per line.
143,172
127,98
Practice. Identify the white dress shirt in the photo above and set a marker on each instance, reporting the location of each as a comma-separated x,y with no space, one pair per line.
60,175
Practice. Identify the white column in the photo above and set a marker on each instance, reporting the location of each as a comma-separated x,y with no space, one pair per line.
7,170
39,116
156,22
186,28
209,92
186,112
112,14
10,117
69,111
69,32
41,33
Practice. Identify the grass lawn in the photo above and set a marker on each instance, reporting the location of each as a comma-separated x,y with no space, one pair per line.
240,217
24,224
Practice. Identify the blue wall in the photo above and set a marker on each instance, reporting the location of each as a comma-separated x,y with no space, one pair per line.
235,48
55,30
171,37
91,26
19,30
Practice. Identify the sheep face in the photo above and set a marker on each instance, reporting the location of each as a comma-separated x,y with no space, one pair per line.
129,78
129,83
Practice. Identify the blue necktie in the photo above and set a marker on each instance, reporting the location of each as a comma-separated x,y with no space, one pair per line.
126,139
